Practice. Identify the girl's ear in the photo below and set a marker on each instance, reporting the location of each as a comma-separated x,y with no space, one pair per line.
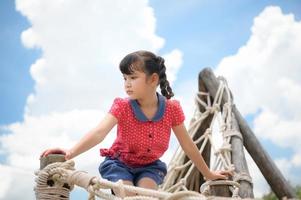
154,79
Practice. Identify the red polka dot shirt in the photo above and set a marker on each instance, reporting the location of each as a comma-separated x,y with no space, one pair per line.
141,141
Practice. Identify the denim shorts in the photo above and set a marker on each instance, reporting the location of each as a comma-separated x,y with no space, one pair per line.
114,170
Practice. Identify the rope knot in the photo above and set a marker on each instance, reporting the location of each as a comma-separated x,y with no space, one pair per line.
208,131
232,133
214,108
243,176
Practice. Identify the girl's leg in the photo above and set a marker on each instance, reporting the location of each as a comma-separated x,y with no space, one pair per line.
146,182
114,170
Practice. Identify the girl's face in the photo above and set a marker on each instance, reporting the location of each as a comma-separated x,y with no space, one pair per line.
137,85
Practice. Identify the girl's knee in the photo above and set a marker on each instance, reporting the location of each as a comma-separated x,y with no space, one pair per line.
147,182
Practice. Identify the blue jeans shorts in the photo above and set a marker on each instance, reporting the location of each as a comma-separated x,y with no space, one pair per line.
114,170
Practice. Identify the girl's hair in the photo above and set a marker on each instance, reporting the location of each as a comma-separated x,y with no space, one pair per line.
149,63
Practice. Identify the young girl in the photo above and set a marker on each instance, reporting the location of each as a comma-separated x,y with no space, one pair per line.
144,122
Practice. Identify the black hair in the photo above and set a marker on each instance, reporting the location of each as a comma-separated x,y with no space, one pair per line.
149,63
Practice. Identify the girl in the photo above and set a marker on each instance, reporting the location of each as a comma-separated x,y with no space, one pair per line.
144,122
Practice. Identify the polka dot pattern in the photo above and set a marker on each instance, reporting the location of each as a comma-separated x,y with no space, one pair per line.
140,143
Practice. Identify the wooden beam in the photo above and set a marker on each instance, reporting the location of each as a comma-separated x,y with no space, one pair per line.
277,182
240,163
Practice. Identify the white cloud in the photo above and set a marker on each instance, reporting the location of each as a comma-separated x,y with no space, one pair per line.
76,79
29,39
173,62
82,45
296,161
264,76
5,181
14,183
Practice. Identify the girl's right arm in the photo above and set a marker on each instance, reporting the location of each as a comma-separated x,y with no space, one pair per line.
91,139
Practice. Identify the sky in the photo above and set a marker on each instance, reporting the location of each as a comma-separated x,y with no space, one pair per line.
59,73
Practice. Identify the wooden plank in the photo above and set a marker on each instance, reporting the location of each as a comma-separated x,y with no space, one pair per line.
277,182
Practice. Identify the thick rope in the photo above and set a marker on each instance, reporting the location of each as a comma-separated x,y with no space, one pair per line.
50,182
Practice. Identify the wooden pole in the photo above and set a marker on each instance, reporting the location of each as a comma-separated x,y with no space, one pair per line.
240,163
51,158
277,182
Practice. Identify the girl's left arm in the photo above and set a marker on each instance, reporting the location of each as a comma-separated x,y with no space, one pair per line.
193,153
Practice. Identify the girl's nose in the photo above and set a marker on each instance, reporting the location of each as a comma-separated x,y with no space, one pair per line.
127,84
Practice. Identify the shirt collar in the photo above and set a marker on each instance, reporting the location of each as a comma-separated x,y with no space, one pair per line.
140,115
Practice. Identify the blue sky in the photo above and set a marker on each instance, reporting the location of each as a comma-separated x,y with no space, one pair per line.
218,28
16,82
206,33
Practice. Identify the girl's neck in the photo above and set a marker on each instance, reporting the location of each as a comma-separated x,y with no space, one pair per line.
148,101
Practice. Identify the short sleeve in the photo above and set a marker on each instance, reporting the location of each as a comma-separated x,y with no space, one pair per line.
178,116
117,108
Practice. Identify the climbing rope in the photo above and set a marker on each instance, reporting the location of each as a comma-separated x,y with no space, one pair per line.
56,180
178,177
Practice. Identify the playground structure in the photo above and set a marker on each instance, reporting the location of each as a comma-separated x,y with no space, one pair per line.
56,177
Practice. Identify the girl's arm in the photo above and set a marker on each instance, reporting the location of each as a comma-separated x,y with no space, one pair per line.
193,153
91,139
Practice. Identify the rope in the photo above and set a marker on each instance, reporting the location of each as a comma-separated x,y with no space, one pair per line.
242,177
205,188
51,182
179,171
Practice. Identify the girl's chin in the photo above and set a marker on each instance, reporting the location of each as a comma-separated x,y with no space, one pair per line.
131,97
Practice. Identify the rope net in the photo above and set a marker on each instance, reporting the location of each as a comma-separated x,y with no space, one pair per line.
56,180
182,174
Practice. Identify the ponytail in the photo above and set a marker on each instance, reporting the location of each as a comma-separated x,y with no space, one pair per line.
164,83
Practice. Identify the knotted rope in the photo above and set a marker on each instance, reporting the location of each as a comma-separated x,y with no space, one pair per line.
178,177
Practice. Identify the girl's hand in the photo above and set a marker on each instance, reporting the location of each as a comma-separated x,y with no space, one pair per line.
219,175
57,151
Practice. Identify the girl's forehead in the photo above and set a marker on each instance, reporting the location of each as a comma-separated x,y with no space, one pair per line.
135,72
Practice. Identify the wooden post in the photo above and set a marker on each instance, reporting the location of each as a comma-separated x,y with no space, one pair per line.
277,182
220,191
240,163
51,158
